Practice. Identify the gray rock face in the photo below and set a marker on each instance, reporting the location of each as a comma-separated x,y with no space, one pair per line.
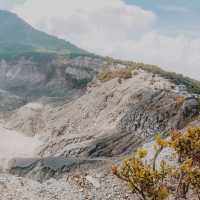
27,79
27,119
150,116
189,109
47,76
46,168
157,111
112,145
112,118
9,102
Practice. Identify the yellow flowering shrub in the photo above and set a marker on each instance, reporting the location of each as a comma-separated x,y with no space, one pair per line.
158,183
141,153
161,142
186,145
142,179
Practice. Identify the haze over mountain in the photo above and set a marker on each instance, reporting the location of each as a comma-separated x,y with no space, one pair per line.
33,63
164,33
18,37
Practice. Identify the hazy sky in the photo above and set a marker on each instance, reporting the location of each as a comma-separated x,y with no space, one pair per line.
174,16
163,32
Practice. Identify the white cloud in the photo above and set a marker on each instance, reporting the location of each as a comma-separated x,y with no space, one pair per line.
80,20
178,54
111,27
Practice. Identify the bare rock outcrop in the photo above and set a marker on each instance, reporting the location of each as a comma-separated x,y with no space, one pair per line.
110,120
113,117
28,119
10,102
50,75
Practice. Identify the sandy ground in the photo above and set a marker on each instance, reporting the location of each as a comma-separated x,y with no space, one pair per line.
14,144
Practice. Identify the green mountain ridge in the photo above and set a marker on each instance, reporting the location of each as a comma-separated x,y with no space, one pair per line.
18,37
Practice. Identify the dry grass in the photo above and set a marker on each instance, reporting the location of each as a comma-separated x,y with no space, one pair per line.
180,100
108,74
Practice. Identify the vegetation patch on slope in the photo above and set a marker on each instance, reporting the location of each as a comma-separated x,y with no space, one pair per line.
192,85
161,180
108,74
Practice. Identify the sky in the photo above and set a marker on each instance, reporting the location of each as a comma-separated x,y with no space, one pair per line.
161,32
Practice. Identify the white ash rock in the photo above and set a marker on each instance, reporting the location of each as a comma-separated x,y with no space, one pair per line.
112,117
13,144
28,119
78,74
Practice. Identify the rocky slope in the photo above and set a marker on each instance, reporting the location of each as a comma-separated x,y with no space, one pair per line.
83,137
80,138
9,101
111,119
28,78
14,144
88,183
62,127
44,76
